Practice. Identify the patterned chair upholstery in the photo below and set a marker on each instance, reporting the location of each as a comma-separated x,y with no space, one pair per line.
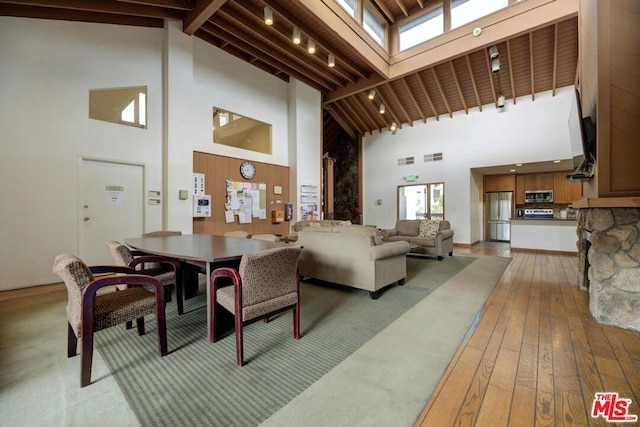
266,283
237,233
267,237
167,270
88,312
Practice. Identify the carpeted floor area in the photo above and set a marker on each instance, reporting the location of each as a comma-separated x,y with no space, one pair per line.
198,383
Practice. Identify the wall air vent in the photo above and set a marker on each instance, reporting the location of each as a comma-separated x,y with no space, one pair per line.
433,157
406,161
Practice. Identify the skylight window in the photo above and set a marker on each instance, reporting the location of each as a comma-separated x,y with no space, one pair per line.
465,11
422,28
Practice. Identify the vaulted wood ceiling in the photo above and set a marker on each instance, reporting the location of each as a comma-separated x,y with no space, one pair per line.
427,82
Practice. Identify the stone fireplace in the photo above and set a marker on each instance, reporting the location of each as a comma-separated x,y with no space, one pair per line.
609,264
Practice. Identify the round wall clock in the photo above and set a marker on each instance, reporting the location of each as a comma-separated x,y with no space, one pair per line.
247,170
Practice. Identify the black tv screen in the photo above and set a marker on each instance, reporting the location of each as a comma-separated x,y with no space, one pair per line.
581,133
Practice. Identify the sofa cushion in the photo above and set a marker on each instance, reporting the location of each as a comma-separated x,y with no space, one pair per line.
407,227
428,228
423,241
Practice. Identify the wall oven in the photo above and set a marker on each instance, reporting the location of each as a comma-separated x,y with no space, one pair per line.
538,196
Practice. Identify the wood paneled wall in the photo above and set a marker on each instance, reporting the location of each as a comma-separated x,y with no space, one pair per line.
217,169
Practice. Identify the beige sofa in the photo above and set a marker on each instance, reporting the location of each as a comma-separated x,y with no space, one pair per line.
408,230
299,225
349,255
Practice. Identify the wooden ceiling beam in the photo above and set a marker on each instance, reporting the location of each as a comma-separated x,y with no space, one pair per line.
533,82
366,109
555,60
282,42
457,82
340,107
170,4
385,11
203,10
402,7
337,108
394,95
303,27
442,94
473,82
493,85
105,6
413,99
429,100
388,108
263,56
338,118
511,79
275,50
20,11
347,103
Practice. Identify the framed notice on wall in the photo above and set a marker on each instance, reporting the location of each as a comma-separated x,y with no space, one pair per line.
309,202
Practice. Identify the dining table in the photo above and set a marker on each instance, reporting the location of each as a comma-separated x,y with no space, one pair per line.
204,250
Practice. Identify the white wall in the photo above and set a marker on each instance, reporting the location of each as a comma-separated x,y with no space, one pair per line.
529,131
46,70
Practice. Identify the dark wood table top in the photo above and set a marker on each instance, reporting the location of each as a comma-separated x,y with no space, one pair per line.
200,247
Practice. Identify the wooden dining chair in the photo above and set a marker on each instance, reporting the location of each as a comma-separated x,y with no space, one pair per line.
167,270
89,312
237,233
267,237
266,283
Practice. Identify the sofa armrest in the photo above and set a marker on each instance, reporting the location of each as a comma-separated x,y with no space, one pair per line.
444,234
389,232
387,250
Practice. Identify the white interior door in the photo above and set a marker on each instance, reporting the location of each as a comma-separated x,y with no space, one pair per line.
111,206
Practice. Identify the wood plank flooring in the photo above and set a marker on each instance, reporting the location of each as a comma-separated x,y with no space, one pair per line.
536,356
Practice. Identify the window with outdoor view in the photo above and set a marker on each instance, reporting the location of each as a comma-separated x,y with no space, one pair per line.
421,201
465,11
365,14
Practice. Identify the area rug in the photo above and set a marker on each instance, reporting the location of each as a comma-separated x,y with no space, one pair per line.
198,382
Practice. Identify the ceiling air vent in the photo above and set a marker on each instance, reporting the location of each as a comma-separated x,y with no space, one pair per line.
433,157
406,161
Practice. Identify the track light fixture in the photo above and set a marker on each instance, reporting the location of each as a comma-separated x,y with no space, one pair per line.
394,126
495,65
297,38
311,46
382,109
331,60
268,16
501,100
493,52
372,94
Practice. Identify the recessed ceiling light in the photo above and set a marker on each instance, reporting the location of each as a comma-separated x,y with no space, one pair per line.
556,161
512,170
518,164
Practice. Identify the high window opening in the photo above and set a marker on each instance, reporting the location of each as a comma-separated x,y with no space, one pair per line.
365,14
422,28
465,11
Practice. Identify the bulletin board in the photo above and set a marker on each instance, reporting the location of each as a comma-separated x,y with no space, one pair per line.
240,204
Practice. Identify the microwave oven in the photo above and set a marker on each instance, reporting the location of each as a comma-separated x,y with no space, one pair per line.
538,196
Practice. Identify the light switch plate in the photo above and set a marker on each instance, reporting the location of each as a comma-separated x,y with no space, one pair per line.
183,194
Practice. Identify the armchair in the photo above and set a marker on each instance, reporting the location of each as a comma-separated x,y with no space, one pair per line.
266,283
89,312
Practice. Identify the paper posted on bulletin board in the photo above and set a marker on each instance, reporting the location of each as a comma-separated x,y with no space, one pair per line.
246,200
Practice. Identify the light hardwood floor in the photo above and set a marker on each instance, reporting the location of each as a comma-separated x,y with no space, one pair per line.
536,356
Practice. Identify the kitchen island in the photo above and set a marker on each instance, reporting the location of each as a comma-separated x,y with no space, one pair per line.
544,234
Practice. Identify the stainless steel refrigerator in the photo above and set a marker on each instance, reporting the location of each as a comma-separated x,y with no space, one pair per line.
498,215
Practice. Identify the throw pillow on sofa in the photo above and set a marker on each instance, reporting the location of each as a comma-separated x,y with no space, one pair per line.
429,227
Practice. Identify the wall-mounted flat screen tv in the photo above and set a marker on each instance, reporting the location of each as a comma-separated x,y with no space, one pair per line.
582,134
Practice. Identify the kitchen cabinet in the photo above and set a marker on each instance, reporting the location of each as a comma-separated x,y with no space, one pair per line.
519,189
503,182
565,192
538,181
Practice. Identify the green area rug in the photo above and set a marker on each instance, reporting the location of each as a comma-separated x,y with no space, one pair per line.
199,383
